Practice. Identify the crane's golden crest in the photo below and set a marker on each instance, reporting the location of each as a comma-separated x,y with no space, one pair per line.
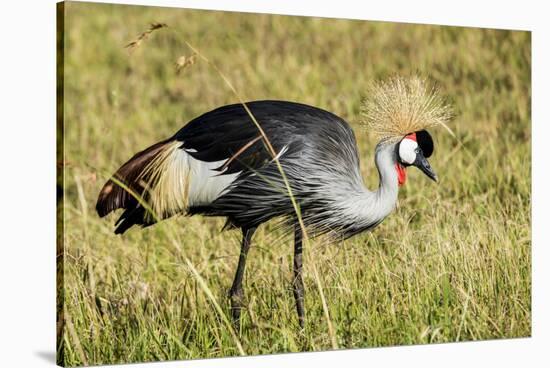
400,106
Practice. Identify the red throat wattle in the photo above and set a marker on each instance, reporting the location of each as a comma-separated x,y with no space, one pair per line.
401,174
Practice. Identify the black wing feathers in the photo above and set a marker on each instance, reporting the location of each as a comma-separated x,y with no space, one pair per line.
222,133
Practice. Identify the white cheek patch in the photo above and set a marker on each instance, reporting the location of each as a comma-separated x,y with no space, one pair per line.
407,151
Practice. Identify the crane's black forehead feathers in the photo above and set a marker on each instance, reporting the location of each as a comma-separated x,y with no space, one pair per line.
425,142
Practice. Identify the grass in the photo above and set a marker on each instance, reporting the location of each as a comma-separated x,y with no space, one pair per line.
452,263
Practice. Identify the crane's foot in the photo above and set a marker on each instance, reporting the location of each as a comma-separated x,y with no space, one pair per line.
237,304
298,289
297,281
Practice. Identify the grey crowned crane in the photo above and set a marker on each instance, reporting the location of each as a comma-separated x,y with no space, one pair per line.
219,165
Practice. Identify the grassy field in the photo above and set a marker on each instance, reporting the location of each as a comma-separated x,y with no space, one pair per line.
452,263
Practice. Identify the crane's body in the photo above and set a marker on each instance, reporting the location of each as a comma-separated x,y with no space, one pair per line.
219,165
316,150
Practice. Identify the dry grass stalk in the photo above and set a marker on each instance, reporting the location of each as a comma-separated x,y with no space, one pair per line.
185,61
212,298
153,27
400,106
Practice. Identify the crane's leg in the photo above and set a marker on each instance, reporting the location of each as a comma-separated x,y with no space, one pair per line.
236,293
297,282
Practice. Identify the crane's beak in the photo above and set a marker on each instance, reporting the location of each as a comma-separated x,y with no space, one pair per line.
422,163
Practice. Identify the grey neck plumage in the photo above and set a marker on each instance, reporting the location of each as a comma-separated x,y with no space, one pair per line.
366,208
385,197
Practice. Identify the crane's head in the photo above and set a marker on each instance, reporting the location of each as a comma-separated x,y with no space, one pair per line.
399,111
413,150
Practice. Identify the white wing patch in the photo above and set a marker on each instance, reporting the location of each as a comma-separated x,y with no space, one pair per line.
206,184
178,181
